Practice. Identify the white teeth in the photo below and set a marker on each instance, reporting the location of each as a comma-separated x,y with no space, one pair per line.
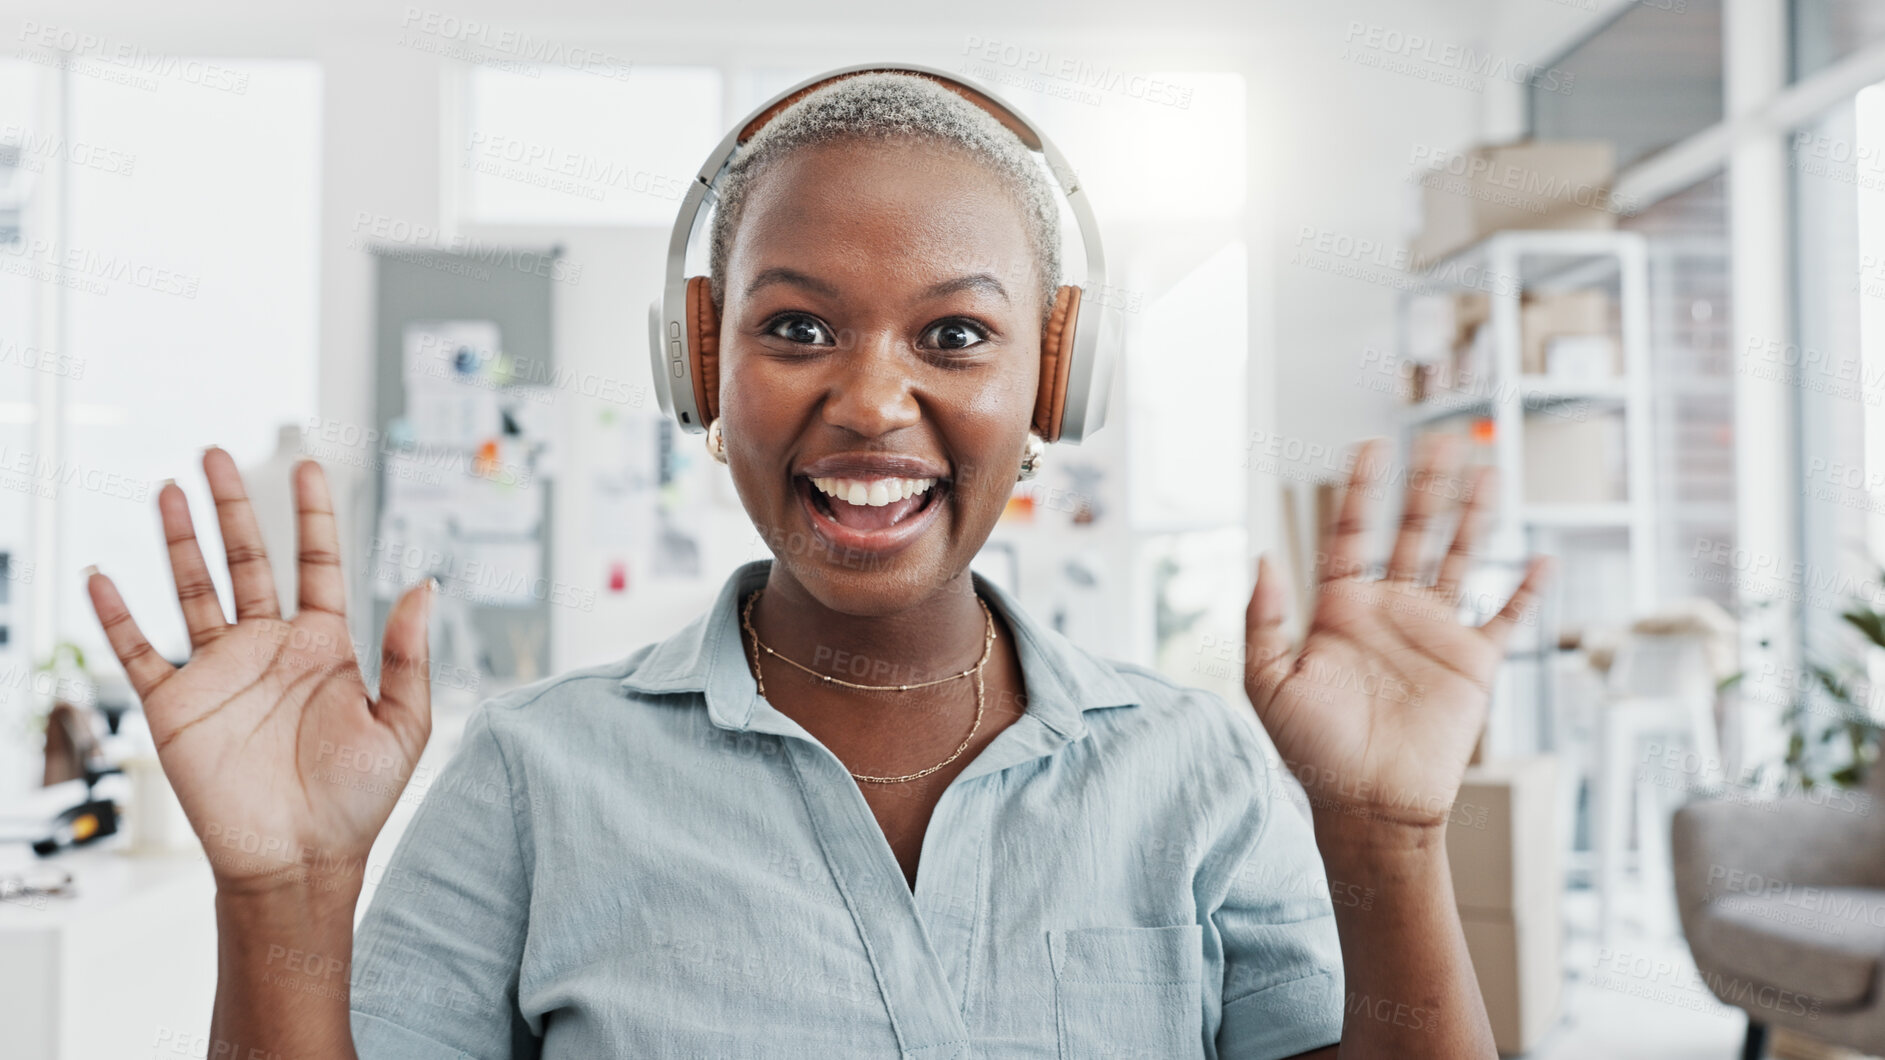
875,492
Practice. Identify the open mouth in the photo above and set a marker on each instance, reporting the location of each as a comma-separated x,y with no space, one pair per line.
873,513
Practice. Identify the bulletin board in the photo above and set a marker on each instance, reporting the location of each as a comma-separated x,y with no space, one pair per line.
464,396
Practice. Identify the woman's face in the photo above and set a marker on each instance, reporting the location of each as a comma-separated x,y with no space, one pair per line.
881,330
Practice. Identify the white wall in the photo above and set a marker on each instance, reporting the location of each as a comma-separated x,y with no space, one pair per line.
1342,135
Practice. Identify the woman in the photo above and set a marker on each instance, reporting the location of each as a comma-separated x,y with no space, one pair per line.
727,845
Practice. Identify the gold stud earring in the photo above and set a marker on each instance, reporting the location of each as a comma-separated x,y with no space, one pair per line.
716,441
1031,457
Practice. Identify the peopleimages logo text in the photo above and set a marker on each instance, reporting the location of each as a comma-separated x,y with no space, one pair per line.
1421,48
1104,78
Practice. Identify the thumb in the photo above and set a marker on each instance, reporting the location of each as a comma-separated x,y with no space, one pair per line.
405,703
1266,645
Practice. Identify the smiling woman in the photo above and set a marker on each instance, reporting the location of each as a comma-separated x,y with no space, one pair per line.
932,378
998,845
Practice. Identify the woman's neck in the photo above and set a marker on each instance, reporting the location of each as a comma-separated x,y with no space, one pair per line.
941,635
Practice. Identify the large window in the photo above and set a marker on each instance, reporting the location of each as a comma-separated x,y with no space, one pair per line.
1692,382
24,372
1836,362
214,321
1826,31
608,146
175,288
1651,77
1868,393
1827,288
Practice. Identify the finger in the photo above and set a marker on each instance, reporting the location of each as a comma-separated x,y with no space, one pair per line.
318,558
1266,644
196,594
1524,599
250,576
1459,555
141,663
1346,537
405,703
1436,465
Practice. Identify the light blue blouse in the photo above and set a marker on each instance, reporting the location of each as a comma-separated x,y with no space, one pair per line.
646,859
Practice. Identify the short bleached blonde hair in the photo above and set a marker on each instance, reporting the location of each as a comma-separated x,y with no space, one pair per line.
888,106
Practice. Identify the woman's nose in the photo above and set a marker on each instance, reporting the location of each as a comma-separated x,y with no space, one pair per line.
871,391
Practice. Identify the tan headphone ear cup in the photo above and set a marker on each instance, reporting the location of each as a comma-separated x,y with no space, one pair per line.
1056,358
703,347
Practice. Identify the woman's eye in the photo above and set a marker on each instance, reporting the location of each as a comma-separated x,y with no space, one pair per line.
955,335
803,330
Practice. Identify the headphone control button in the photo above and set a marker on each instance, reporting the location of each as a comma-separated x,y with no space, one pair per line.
674,329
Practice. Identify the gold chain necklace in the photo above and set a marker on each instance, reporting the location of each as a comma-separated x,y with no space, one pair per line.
988,644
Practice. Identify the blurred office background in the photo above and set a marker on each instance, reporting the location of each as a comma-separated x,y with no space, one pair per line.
1631,250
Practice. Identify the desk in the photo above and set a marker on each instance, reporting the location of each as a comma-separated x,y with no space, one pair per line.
119,970
125,968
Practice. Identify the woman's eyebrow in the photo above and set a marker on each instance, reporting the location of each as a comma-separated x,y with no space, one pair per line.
781,274
980,281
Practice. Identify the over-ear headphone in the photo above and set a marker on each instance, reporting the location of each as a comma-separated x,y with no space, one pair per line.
1077,344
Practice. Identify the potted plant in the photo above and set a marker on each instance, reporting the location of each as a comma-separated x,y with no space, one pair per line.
1833,729
67,694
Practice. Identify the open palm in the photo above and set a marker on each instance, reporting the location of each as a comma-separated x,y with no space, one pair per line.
1379,710
284,762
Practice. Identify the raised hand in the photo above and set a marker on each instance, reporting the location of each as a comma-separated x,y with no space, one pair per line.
1377,714
286,766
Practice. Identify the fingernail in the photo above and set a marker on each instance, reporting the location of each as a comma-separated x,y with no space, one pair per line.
165,482
90,569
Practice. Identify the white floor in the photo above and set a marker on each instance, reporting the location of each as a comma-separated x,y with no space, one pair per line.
1637,999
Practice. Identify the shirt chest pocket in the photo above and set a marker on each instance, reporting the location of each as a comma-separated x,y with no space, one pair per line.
1128,993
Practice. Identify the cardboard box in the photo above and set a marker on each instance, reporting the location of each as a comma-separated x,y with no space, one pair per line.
1441,328
1470,310
1569,460
1475,362
1543,317
1502,841
1517,963
1525,185
1502,844
1583,358
1431,323
1420,383
1789,1044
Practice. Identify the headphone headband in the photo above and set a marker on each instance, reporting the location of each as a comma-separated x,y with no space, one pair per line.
683,339
1014,122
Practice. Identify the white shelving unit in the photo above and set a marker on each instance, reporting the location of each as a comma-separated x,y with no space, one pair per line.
1504,266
